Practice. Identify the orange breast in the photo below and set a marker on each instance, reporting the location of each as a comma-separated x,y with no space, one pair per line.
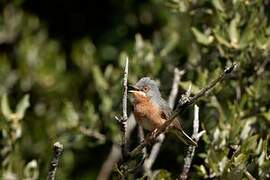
148,115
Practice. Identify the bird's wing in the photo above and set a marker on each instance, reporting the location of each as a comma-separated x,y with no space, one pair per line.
176,126
166,112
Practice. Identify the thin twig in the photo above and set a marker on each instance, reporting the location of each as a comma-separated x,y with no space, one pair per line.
182,105
125,81
57,152
123,120
141,138
176,79
115,153
107,166
191,149
156,147
248,175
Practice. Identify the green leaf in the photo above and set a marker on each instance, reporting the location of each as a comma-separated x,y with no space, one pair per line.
250,144
5,107
234,32
266,115
186,84
247,36
71,116
240,159
161,175
99,79
247,127
201,37
219,5
235,173
31,170
222,40
22,106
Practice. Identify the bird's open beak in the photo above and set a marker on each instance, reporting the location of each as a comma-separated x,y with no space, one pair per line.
132,89
135,91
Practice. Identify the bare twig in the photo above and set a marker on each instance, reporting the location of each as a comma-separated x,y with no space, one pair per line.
113,158
57,152
176,79
125,80
115,153
123,120
156,147
191,149
248,175
141,138
182,105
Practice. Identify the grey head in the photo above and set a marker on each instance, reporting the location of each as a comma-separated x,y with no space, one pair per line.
149,87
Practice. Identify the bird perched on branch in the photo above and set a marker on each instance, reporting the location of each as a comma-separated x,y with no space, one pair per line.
151,110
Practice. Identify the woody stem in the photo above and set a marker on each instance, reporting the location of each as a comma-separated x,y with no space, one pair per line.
182,105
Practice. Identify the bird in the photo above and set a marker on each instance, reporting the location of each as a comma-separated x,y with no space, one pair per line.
151,110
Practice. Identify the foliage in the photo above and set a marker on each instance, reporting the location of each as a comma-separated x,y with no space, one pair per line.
72,95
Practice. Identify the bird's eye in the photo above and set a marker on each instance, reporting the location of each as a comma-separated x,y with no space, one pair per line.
145,88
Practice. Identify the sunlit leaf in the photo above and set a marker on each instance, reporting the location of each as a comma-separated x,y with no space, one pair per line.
71,116
161,175
5,107
218,4
247,127
22,106
201,37
221,39
186,84
233,31
250,144
31,170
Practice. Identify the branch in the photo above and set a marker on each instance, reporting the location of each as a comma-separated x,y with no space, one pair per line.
141,138
182,105
57,152
176,79
248,175
123,120
191,149
115,153
156,147
107,166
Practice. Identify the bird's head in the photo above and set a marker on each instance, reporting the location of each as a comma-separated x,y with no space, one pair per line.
145,88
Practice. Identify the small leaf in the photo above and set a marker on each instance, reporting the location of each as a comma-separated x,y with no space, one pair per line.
266,115
222,40
201,37
31,170
250,144
99,79
186,84
71,116
5,107
233,31
235,173
247,127
219,5
22,106
161,175
240,159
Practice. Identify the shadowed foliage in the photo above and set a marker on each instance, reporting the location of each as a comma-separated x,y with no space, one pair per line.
61,71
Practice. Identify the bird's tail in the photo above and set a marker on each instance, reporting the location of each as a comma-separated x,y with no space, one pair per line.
183,136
